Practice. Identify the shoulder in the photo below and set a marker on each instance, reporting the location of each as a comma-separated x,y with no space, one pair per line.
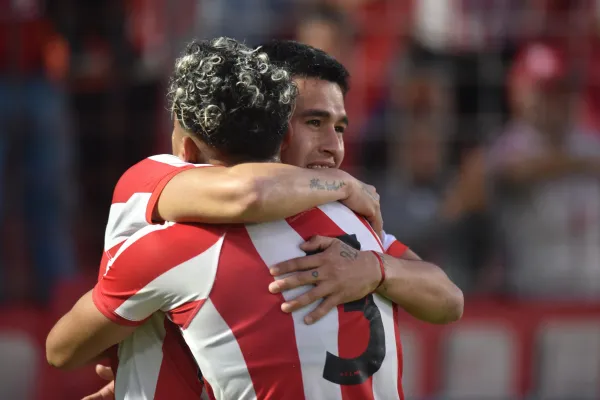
146,175
168,244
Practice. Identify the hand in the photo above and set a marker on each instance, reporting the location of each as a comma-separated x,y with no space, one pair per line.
364,200
340,273
108,391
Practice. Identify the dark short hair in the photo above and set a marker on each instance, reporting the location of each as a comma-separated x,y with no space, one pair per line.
305,61
232,98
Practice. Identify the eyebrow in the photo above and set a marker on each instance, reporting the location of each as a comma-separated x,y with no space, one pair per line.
322,114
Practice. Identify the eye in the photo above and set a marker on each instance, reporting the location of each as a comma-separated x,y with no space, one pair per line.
340,129
314,122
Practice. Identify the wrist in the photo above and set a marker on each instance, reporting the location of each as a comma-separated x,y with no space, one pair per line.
380,265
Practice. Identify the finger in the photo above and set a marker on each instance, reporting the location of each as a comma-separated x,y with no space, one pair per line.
377,225
317,242
302,278
326,305
105,372
106,393
296,264
307,298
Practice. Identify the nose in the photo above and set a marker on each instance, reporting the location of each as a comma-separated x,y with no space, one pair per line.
332,143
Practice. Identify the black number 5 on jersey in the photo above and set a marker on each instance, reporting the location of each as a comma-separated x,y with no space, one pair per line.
354,371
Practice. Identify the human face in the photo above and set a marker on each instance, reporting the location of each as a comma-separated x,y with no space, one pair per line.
550,110
317,126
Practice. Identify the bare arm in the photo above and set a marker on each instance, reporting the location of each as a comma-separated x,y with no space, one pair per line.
532,170
421,288
343,274
260,192
82,335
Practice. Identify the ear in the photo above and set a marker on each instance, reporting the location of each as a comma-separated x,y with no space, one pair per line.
191,152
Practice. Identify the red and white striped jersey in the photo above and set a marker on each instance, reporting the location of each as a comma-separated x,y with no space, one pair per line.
211,281
165,369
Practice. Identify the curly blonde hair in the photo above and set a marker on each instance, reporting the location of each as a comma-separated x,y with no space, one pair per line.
232,97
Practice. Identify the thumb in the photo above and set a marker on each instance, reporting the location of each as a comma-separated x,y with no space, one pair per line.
105,372
316,243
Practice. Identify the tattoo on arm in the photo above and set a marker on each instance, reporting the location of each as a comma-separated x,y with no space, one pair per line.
348,252
316,184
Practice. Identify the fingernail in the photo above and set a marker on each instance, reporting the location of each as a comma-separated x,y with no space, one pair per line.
308,320
273,287
274,271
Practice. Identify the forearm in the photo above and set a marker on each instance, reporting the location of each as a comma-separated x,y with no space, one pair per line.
82,336
256,192
288,190
540,169
422,289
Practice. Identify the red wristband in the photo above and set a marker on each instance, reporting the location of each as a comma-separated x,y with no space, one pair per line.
381,267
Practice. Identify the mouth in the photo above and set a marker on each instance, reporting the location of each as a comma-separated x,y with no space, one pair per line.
320,165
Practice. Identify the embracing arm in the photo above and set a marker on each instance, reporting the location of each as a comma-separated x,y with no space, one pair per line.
342,274
422,289
82,335
259,192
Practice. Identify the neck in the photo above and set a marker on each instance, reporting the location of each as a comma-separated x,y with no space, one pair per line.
230,161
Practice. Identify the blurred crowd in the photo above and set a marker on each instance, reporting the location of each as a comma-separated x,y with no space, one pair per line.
478,122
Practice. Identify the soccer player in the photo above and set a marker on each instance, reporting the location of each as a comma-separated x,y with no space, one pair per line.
209,279
317,139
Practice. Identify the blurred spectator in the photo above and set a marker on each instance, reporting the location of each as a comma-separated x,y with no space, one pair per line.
412,198
365,35
472,42
547,183
34,121
253,21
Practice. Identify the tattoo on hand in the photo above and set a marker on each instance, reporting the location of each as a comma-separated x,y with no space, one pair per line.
364,188
315,183
348,252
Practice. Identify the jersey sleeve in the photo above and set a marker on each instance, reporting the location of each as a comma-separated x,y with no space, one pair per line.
136,194
159,268
126,293
150,176
392,246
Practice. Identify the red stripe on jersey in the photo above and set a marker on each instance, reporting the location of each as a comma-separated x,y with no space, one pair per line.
396,249
106,257
399,347
183,315
178,375
254,316
143,177
103,265
354,331
137,267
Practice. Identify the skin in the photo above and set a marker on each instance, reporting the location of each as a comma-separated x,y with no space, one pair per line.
340,274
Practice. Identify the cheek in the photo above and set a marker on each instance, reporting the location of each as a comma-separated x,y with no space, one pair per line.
296,152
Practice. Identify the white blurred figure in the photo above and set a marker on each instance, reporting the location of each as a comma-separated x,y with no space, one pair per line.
547,183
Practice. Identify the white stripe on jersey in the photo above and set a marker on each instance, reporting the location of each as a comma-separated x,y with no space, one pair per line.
277,242
216,349
389,368
388,240
125,218
349,223
191,280
140,359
